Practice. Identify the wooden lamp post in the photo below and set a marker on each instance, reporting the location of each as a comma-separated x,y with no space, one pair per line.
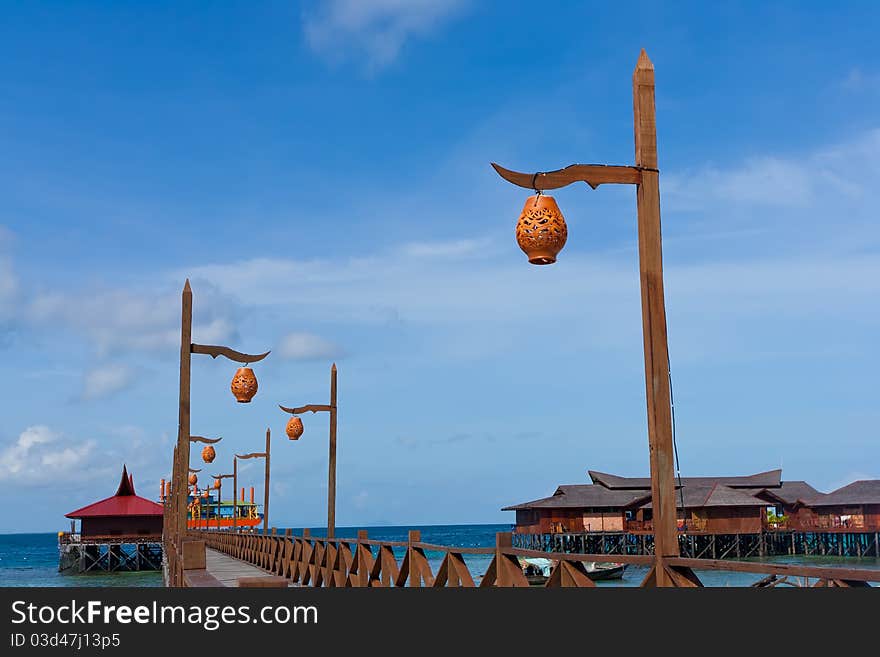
256,455
218,485
331,477
234,493
541,232
243,386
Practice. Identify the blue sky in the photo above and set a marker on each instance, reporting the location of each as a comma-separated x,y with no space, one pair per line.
321,173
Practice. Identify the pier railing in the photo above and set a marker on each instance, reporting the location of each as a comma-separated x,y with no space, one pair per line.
363,562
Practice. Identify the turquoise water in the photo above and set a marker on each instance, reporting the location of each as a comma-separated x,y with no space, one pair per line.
32,559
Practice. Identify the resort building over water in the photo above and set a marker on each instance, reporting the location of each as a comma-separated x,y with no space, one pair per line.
121,532
746,505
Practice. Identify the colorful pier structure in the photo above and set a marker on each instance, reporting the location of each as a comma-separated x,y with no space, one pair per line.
119,533
717,517
207,510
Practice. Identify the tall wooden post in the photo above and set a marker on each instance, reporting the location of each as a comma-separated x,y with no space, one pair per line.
234,494
219,498
180,482
331,480
266,490
654,321
169,523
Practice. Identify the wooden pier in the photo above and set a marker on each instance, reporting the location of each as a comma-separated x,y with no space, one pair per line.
288,560
229,571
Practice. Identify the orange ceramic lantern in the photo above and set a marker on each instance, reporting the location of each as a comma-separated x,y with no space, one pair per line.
208,454
294,428
193,479
541,231
204,493
216,483
244,385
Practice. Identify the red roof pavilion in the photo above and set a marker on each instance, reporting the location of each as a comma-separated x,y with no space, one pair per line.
125,513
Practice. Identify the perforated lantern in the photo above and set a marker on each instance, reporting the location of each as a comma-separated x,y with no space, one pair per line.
541,231
205,493
294,428
193,479
208,454
244,385
216,483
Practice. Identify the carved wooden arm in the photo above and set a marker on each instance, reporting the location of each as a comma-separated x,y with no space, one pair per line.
592,174
214,351
314,408
202,439
252,455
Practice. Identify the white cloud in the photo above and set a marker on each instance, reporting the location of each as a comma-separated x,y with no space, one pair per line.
761,180
106,380
377,29
123,319
34,458
449,249
307,346
494,292
838,174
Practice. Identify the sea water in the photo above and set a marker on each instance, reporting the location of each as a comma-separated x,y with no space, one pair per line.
32,559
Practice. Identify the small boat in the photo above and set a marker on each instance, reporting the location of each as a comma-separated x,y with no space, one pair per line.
609,570
537,571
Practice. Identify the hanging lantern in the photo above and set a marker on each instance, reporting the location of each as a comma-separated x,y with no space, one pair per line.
208,454
193,479
244,385
294,428
541,231
205,494
216,483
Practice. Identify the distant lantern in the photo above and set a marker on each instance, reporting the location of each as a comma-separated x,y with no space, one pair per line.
208,454
216,483
294,428
244,385
193,479
205,493
541,231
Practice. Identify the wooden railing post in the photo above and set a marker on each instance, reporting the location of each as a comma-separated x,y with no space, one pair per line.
363,559
502,540
286,553
415,577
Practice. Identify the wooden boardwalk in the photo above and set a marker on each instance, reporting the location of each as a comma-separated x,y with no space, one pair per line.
223,570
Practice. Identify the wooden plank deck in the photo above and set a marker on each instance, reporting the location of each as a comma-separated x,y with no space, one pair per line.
228,569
